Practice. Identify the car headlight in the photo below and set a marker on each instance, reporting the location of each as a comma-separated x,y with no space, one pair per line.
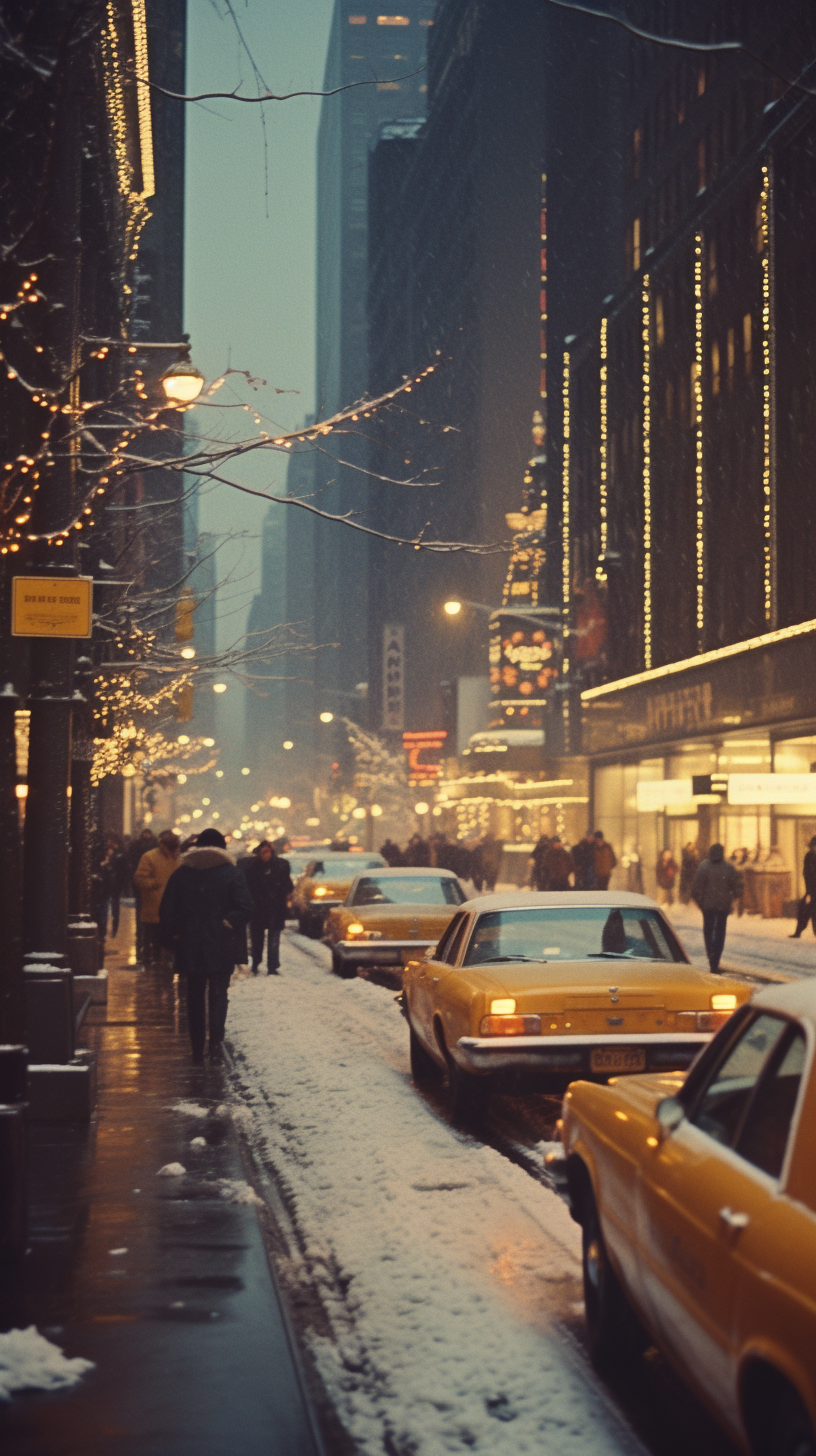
355,928
702,1020
320,891
510,1025
724,1003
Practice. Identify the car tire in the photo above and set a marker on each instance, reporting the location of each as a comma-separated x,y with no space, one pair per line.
469,1095
346,970
614,1334
424,1070
792,1431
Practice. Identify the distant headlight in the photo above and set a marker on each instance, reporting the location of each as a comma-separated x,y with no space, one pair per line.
355,928
723,1003
702,1020
510,1025
321,890
503,1008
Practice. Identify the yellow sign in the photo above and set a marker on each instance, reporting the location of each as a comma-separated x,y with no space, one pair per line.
51,606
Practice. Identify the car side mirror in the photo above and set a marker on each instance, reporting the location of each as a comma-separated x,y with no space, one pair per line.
670,1112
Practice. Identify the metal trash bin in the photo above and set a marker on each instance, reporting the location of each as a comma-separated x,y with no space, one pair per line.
767,891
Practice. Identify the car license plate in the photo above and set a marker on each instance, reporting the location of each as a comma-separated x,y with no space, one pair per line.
617,1059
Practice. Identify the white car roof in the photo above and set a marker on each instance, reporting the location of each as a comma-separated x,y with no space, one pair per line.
535,899
796,998
419,871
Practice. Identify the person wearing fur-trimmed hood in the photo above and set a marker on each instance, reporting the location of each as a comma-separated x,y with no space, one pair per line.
205,907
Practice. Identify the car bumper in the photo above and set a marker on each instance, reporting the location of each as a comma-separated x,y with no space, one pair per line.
381,952
672,1051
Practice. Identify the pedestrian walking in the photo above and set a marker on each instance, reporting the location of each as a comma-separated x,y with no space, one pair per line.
152,875
603,860
491,850
110,876
558,866
204,910
583,856
270,884
418,852
392,854
807,905
689,860
666,874
137,847
716,886
539,857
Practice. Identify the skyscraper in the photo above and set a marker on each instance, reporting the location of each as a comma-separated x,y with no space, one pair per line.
387,52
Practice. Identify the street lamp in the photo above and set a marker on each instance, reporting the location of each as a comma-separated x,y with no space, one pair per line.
188,653
453,608
219,687
288,744
182,382
420,809
327,717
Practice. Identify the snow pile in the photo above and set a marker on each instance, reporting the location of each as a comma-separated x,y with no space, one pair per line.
443,1269
751,943
28,1361
172,1170
235,1190
198,1142
189,1109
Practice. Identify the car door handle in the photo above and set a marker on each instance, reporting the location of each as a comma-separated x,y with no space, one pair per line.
734,1220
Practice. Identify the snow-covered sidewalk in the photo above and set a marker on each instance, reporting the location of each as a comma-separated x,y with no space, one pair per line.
442,1267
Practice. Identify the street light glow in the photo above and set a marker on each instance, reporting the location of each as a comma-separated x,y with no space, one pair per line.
421,808
182,382
288,743
312,823
358,813
188,652
453,608
244,771
326,717
219,687
208,742
376,811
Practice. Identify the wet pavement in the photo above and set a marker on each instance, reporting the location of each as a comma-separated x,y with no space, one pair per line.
162,1281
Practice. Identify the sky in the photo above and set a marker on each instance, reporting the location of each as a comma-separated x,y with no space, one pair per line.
250,252
250,227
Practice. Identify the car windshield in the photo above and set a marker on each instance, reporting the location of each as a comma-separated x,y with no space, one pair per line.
408,890
574,933
343,867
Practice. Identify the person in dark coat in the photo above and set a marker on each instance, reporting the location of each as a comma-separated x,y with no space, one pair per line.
689,860
717,884
110,877
270,885
392,854
807,904
205,904
539,856
491,850
583,857
558,866
138,847
604,860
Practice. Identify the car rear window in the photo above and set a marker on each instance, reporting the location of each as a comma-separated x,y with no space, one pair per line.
344,867
412,890
570,933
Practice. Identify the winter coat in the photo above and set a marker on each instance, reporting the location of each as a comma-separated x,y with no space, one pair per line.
716,884
558,866
604,859
666,872
204,911
270,885
583,857
152,874
809,872
134,852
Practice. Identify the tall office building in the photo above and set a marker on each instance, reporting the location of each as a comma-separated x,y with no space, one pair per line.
388,51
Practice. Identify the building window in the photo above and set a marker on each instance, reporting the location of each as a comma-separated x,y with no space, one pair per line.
712,268
636,244
730,352
357,19
701,165
393,20
715,368
660,323
747,344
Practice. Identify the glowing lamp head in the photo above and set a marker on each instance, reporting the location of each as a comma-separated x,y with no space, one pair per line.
421,808
219,687
188,653
182,383
288,744
453,608
327,717
376,811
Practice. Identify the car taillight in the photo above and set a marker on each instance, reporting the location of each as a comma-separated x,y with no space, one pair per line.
701,1020
510,1026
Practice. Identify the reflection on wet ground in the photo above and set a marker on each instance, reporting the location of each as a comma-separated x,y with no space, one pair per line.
161,1281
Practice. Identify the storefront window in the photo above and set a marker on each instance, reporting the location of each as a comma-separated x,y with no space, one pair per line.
795,824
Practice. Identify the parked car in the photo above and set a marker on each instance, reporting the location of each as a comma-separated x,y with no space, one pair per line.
697,1199
556,984
325,882
390,916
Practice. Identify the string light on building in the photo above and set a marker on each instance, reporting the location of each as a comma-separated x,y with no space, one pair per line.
645,299
542,301
768,504
600,571
565,533
699,492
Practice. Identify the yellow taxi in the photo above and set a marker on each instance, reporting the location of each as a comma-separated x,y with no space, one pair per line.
697,1199
390,916
324,883
529,990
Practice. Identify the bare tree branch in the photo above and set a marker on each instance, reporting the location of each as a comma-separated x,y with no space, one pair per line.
262,96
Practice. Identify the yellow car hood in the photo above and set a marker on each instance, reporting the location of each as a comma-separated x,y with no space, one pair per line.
401,922
335,889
